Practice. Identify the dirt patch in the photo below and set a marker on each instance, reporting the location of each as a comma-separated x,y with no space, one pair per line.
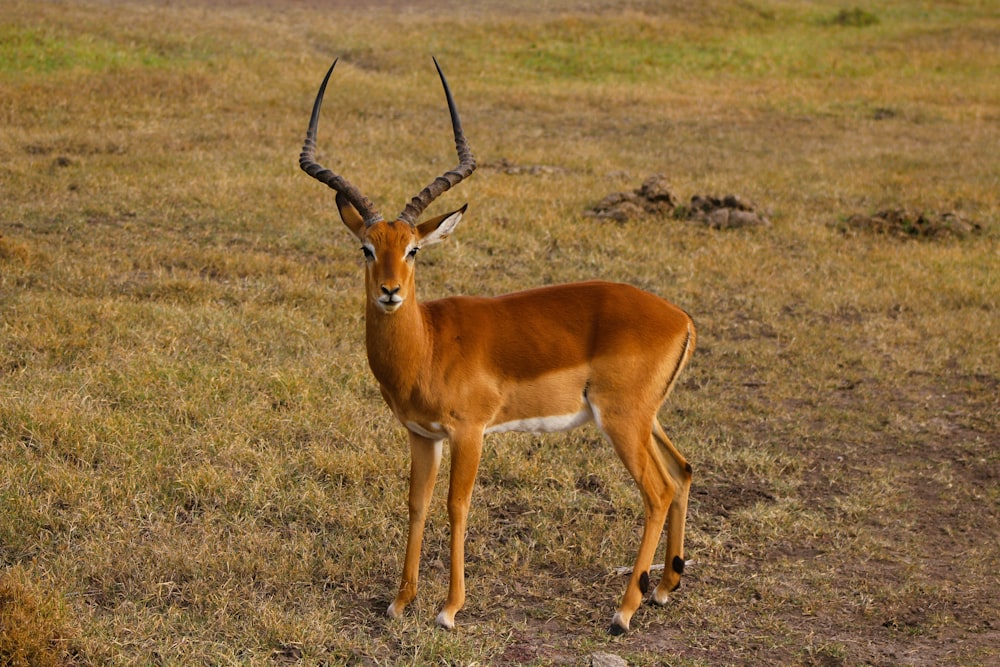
656,198
505,166
906,224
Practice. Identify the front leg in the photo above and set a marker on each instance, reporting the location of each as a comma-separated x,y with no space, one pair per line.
466,449
425,457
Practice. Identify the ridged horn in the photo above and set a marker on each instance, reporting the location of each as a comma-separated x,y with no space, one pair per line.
307,160
466,164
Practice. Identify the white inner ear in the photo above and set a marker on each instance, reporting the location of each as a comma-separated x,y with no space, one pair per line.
446,227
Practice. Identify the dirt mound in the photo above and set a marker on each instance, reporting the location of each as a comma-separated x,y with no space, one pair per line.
905,224
727,212
654,197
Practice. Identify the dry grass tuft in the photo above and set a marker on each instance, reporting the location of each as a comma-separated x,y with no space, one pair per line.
13,252
32,626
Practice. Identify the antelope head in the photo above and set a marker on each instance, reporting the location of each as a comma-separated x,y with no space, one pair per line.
390,247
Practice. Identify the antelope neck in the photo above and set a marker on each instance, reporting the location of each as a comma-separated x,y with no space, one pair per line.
398,344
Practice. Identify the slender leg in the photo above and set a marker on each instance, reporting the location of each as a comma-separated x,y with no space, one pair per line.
635,448
466,450
425,456
680,470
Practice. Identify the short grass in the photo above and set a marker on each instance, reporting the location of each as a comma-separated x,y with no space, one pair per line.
196,466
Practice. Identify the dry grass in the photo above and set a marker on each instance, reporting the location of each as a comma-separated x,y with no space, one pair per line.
196,467
32,622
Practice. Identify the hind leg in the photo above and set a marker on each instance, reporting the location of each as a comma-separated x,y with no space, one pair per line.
634,445
679,470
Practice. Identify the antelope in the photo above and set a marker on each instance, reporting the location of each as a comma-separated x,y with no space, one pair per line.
542,360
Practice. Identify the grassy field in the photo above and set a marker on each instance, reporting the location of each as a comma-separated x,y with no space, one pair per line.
196,466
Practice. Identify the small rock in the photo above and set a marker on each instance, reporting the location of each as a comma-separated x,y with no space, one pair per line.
607,660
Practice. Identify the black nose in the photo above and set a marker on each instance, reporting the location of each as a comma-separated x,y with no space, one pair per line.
390,292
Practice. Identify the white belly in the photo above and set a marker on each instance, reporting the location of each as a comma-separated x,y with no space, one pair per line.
548,424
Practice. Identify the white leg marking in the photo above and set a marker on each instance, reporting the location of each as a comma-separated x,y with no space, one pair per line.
597,419
445,621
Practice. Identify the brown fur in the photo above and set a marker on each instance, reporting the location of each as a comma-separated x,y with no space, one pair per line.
452,368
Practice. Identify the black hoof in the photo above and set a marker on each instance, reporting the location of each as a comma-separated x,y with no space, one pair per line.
616,630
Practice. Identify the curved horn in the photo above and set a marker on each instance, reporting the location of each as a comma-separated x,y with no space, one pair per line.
466,164
307,160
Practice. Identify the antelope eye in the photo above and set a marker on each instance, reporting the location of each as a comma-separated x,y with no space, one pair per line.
412,253
369,253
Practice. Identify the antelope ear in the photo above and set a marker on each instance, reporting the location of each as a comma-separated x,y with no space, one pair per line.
438,229
350,215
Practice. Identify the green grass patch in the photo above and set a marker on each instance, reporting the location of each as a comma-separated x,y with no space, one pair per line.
44,52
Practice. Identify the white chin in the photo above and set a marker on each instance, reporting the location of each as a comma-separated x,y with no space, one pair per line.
389,308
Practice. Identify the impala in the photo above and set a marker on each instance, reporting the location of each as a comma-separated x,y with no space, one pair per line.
542,360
